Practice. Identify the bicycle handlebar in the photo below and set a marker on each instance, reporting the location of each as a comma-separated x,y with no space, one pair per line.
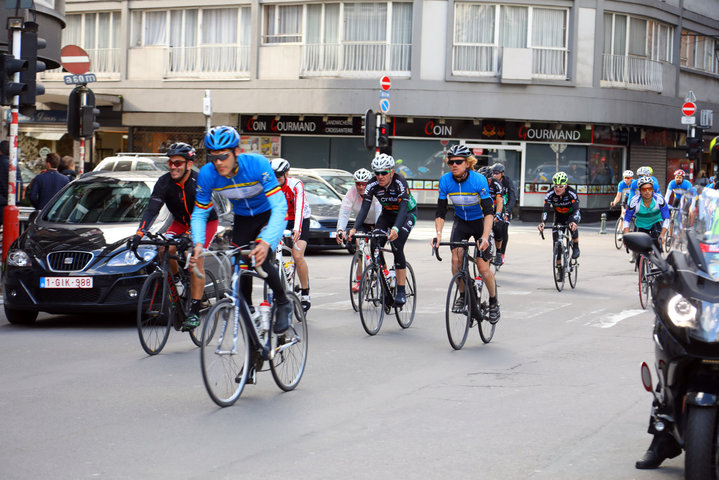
182,243
463,243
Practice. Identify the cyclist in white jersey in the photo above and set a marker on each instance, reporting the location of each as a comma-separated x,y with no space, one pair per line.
352,202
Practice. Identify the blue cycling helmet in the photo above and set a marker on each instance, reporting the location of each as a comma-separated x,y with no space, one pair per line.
222,137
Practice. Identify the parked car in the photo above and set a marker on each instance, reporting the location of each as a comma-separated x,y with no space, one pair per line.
340,180
73,258
126,162
325,204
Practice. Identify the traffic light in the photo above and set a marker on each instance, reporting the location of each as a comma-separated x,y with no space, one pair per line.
10,65
30,44
89,120
370,129
383,137
81,121
694,145
73,113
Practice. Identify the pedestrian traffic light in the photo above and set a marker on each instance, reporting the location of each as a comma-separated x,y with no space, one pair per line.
89,120
9,88
30,44
383,137
370,129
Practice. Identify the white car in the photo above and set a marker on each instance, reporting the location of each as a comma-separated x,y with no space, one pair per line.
127,162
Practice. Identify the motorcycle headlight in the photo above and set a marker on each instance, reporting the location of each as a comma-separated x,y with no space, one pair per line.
681,312
127,258
314,223
18,258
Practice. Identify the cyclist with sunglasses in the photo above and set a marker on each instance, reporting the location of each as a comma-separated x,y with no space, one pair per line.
564,201
398,214
623,189
650,211
501,224
473,217
260,208
176,189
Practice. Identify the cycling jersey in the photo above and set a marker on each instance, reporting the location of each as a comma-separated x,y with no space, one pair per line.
298,209
679,190
253,189
509,193
179,198
645,217
351,204
496,190
396,200
566,204
626,189
466,194
633,187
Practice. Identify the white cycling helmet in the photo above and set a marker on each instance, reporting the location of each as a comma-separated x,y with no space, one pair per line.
628,173
382,162
645,180
643,171
363,175
280,166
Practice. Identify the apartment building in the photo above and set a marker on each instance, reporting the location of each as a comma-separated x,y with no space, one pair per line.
592,87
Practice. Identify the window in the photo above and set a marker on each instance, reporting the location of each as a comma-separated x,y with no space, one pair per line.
283,24
99,34
699,52
481,31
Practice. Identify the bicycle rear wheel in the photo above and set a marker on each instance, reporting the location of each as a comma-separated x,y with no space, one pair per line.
355,275
458,320
486,329
290,349
210,296
371,300
405,313
224,360
153,314
644,287
619,233
558,265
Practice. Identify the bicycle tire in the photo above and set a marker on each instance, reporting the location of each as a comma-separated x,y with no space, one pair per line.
371,299
153,313
356,264
405,313
644,290
288,362
619,233
458,322
573,272
558,265
210,296
224,373
290,269
485,327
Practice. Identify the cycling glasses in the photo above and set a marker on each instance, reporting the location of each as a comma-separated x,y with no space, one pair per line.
455,162
214,158
558,186
361,184
382,174
176,163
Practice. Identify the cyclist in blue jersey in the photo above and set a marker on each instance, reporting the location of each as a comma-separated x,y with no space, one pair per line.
623,189
649,210
260,208
644,172
473,217
679,186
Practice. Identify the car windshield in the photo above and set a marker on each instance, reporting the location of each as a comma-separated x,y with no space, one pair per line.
341,183
101,201
318,193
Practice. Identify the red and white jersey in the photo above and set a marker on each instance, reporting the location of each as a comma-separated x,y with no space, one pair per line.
297,206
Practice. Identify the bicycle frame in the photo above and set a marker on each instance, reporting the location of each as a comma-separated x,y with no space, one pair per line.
377,258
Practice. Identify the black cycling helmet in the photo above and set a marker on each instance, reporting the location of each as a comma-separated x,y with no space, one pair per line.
486,171
459,151
498,168
183,150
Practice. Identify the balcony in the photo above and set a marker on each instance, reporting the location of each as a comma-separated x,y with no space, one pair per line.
635,73
484,61
208,61
355,59
105,63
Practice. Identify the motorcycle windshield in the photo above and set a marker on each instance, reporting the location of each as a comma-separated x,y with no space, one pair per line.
706,227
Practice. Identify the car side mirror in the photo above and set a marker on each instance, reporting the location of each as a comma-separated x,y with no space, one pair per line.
33,216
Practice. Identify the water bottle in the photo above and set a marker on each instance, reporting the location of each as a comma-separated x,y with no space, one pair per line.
269,296
391,278
180,289
478,283
256,318
264,310
289,268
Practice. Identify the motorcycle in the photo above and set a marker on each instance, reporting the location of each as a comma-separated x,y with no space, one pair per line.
685,292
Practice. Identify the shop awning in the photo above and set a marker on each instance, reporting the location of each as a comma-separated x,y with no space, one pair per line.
52,136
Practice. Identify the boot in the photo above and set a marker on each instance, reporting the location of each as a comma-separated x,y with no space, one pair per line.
661,448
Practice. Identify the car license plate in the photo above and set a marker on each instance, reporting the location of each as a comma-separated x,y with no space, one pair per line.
65,282
333,234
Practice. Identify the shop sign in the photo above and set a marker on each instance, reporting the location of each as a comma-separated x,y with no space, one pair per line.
306,125
41,116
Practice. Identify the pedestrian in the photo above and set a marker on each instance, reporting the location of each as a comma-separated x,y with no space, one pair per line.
67,167
48,183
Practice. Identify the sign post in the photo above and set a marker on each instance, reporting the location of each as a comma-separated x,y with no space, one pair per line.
76,61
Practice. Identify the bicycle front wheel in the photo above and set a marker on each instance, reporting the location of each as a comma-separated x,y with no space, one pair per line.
573,272
405,313
355,275
153,314
644,291
224,354
485,327
290,349
371,300
458,311
619,233
210,296
558,265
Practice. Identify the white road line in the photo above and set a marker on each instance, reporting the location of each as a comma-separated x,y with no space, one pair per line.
613,319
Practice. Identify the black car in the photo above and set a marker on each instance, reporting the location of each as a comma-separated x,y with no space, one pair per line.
72,258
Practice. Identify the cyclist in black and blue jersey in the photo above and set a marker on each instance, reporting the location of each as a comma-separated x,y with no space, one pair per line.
564,200
473,217
247,179
623,189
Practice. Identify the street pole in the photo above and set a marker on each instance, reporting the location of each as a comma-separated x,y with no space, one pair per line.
83,102
11,223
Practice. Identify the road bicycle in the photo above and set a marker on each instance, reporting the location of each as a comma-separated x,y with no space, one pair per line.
563,265
285,264
378,288
467,301
160,306
492,255
360,259
237,340
619,227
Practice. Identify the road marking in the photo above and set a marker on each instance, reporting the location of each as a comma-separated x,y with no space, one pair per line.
613,319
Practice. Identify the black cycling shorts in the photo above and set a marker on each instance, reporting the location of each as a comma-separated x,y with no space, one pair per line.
466,229
304,232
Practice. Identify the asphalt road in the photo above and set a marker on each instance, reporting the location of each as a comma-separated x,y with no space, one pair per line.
555,395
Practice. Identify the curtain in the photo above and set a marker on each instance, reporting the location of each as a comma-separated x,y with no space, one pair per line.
90,21
620,35
155,28
548,27
365,34
475,48
513,27
72,34
219,25
638,37
401,44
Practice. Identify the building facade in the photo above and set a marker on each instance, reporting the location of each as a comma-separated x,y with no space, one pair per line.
592,87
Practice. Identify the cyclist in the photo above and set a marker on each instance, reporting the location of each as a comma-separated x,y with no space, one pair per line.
649,210
496,194
248,181
679,189
623,189
564,201
176,189
502,222
644,172
351,204
473,217
398,212
298,220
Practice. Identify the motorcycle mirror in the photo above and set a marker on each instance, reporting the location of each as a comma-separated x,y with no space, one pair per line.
639,242
646,377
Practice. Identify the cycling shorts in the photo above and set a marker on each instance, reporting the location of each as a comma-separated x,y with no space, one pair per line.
465,229
304,231
176,228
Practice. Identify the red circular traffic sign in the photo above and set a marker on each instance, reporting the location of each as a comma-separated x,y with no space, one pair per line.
385,83
689,109
74,59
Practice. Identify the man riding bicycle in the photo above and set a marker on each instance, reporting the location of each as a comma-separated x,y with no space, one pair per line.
644,172
398,212
501,223
248,181
623,189
176,189
564,201
649,210
473,217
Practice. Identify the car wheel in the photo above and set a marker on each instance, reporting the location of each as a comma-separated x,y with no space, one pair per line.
20,317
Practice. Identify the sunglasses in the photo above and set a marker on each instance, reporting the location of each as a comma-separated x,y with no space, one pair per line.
176,163
647,189
455,162
214,158
558,186
381,174
361,184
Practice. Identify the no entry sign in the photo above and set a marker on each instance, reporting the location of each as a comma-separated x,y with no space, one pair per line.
385,83
74,59
689,109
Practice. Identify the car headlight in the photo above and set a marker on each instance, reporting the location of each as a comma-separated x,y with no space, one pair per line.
314,223
18,258
127,258
681,312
